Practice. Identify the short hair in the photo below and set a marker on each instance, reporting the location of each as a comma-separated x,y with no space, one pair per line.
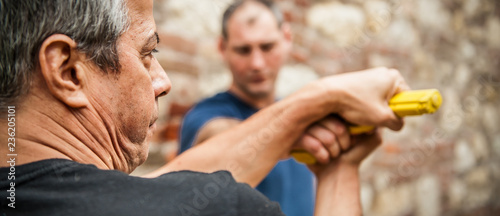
228,13
95,25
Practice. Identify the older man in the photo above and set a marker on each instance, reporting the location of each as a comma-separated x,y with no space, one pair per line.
79,93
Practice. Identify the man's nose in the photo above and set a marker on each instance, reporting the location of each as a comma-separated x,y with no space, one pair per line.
257,60
160,80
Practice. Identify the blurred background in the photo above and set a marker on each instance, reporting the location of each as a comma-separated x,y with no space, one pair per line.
447,163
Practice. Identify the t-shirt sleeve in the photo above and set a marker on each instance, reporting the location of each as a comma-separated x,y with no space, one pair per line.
196,118
189,128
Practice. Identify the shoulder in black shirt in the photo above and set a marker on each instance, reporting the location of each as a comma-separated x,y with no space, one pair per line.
64,187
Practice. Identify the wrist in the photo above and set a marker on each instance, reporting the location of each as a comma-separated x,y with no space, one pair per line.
339,170
310,104
338,191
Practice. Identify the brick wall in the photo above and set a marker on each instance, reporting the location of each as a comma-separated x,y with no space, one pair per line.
441,164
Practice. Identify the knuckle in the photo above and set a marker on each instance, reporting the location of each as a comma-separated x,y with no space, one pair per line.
340,129
393,72
329,139
335,150
345,145
386,115
311,144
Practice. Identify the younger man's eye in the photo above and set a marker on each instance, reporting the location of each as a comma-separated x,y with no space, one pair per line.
267,47
243,50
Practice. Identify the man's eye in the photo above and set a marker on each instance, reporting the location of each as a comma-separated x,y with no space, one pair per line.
267,47
149,54
243,50
153,51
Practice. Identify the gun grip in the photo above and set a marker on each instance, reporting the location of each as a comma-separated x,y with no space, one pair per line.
416,102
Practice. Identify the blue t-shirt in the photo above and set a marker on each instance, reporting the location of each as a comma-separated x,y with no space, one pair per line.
289,183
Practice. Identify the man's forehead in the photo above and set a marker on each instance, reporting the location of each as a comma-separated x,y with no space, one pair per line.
139,6
142,25
252,12
255,24
140,11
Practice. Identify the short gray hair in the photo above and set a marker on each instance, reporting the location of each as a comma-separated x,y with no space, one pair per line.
228,13
95,25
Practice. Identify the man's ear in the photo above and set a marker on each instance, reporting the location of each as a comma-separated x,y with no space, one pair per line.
62,68
287,31
287,34
221,45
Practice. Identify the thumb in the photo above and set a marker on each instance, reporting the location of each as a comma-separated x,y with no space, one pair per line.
390,120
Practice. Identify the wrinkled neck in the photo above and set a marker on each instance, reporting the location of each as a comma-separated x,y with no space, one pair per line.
57,131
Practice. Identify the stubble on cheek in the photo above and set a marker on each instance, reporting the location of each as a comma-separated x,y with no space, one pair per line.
136,126
133,140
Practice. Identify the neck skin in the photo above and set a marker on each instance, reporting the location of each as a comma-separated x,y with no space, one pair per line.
56,131
257,102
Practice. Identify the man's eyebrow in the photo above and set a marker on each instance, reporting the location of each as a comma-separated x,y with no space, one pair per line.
151,41
157,38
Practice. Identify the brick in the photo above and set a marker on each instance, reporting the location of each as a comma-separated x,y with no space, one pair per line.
171,132
177,109
303,3
300,55
179,66
295,16
391,148
317,49
288,16
178,43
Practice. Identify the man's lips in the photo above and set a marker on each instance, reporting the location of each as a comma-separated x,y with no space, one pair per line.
258,79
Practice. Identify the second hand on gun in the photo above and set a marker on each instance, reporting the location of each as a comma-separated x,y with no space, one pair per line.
408,103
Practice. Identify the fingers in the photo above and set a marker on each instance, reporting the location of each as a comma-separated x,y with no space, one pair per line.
315,148
326,139
339,130
363,145
389,119
399,85
327,135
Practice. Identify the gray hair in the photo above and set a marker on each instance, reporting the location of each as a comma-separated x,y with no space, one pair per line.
228,13
95,25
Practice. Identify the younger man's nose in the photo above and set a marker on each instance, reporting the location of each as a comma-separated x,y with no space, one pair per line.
257,60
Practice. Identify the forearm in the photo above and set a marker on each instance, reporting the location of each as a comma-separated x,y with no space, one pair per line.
250,150
338,191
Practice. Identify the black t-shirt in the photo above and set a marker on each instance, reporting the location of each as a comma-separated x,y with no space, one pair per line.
64,187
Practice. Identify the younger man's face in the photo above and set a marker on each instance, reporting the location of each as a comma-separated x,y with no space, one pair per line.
255,49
